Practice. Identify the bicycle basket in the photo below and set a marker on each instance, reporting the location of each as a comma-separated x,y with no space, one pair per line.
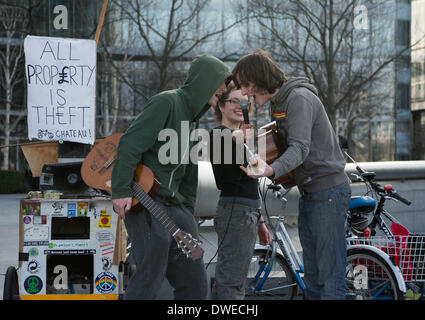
416,243
407,252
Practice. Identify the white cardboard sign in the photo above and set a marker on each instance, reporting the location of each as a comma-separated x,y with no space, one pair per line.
61,78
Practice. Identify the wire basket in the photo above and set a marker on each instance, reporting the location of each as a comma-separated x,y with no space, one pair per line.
407,252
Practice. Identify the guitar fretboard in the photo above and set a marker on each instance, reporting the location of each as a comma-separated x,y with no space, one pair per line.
154,208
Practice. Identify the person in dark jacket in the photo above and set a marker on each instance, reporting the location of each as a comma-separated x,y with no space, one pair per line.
316,161
153,249
238,219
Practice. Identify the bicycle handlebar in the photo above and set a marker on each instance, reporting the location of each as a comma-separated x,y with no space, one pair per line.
395,195
369,176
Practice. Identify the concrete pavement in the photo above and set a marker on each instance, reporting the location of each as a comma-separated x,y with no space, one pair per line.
9,233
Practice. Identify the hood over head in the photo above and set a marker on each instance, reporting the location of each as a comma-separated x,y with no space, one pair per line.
206,74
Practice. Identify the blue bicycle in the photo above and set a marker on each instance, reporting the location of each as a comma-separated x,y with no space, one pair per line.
275,270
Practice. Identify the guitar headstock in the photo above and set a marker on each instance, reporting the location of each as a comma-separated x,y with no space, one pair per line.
190,246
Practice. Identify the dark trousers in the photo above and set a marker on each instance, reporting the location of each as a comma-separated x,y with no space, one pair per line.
156,255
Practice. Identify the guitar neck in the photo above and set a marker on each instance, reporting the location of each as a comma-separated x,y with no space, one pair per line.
154,208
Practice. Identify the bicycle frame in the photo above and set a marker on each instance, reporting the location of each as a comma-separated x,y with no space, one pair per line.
377,220
281,238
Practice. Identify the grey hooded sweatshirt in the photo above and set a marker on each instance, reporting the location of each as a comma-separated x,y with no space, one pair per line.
313,153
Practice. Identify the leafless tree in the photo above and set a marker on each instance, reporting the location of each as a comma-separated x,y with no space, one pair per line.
165,34
14,20
320,39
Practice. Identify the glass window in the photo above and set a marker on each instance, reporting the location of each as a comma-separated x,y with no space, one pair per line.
403,33
360,139
403,96
382,136
40,20
418,152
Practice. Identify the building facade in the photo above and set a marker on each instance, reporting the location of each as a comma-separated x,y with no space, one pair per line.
418,79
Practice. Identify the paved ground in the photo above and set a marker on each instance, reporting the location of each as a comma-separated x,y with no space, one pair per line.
9,233
9,240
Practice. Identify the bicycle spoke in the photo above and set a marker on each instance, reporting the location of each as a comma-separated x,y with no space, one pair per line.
381,282
279,283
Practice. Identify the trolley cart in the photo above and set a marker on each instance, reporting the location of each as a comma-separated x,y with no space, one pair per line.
69,249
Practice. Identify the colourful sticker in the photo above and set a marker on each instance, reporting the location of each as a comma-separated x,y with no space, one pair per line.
33,284
33,252
72,209
30,208
104,220
27,219
107,248
83,208
105,282
40,219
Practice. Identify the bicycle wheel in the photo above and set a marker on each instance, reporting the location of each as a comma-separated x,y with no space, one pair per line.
280,283
369,277
11,286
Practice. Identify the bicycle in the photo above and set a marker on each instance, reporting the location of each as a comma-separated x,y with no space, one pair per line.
275,270
391,266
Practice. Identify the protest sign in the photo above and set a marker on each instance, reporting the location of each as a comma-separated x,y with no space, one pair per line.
61,77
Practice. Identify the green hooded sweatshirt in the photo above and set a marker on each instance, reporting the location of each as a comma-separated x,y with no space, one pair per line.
172,109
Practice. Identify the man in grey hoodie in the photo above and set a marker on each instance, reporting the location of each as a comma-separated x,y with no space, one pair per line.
315,159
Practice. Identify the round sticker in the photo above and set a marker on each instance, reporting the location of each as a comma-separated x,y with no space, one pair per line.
105,282
33,252
33,266
27,219
33,284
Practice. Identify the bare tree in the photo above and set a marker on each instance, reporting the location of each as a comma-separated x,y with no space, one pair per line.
320,39
146,48
163,33
14,21
315,38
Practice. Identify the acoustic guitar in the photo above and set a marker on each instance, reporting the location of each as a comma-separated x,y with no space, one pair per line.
271,138
96,172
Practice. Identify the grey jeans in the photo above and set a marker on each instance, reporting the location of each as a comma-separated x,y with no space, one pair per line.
236,226
156,255
322,234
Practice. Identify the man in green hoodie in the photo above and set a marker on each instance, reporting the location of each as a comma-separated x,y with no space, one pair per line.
316,161
154,250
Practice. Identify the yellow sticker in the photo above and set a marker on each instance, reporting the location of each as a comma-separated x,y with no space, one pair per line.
104,220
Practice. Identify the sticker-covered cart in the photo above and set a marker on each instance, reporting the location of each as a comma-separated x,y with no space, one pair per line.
69,249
